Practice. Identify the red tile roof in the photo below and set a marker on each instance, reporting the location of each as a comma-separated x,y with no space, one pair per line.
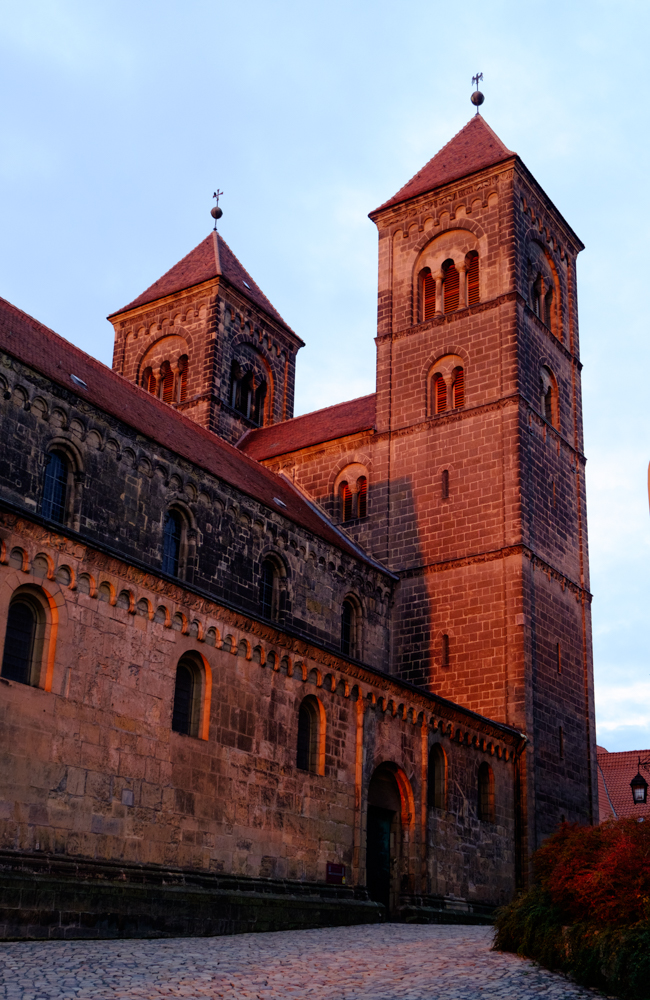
474,148
46,352
312,428
616,771
210,259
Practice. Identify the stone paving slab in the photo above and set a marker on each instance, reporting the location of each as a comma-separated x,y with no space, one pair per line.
368,962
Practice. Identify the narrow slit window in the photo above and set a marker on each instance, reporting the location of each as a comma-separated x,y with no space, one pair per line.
362,496
458,388
444,484
451,287
55,485
558,655
305,738
548,404
445,650
428,295
472,280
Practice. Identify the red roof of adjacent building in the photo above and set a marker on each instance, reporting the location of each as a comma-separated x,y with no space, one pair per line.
46,352
615,772
212,258
310,429
474,148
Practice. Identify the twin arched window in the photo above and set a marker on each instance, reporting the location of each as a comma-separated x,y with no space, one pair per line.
448,393
456,286
24,640
354,499
169,383
247,393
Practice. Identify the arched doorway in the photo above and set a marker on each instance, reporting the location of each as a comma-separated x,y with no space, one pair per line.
383,837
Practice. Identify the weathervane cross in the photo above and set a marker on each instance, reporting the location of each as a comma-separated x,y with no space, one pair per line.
477,97
216,212
477,79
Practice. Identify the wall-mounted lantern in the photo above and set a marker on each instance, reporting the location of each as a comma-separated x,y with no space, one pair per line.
639,787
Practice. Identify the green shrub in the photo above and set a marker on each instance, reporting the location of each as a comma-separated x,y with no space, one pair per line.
588,913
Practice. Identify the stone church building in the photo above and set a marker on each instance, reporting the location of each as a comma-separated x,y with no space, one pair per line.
266,672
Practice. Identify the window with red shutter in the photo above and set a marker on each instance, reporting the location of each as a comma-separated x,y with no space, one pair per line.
458,390
472,279
149,380
439,394
346,502
183,366
428,295
166,382
362,496
450,286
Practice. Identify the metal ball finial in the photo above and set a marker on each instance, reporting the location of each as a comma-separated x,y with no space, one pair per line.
477,97
216,212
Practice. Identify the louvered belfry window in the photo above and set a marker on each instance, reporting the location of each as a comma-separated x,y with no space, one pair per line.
428,295
346,502
439,394
451,287
149,381
362,496
459,388
472,279
166,382
183,366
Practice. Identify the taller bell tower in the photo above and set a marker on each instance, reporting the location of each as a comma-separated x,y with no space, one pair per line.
479,453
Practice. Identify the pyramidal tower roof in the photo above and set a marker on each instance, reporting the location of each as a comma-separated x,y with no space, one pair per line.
475,147
212,258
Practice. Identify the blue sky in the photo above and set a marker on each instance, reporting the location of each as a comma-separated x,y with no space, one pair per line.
120,119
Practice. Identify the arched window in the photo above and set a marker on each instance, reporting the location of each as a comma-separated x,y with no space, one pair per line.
258,408
458,388
362,496
269,590
444,484
450,286
486,793
187,690
346,501
310,755
55,488
536,297
183,368
428,294
166,382
473,291
439,393
172,537
149,381
437,778
23,640
350,620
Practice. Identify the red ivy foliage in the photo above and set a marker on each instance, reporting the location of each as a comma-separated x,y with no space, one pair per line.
598,873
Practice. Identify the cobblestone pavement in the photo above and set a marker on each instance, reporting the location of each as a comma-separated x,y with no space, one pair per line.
387,962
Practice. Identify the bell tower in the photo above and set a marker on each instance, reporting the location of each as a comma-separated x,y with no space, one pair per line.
479,429
206,340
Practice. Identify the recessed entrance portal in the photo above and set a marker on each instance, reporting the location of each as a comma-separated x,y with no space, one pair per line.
383,837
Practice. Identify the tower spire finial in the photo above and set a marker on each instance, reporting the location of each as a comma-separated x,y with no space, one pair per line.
216,212
477,97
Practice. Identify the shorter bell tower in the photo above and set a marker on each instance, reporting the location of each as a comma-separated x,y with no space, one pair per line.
205,339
